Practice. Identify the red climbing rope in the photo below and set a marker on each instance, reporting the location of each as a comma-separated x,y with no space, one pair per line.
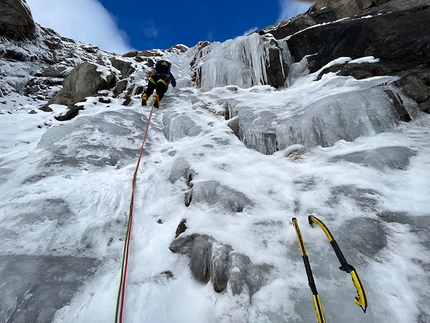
121,291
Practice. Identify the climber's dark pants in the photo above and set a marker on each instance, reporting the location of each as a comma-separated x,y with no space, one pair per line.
158,83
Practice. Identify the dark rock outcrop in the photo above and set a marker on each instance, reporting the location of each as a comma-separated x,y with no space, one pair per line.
82,82
124,67
277,69
399,39
16,21
395,32
70,114
416,85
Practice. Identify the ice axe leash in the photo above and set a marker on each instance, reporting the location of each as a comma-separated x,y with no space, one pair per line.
313,287
121,290
360,299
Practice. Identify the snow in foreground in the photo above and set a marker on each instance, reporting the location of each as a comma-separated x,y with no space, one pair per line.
66,191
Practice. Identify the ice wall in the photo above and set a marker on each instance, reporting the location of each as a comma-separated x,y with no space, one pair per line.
243,61
334,108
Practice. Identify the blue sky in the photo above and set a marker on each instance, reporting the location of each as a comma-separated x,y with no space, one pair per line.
120,26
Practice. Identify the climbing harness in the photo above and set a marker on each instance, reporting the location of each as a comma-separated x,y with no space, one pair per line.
313,287
121,290
361,299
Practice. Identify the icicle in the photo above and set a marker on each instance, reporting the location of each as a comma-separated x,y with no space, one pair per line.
242,62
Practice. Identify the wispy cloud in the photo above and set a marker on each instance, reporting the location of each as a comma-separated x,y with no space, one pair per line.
84,20
150,29
250,30
290,8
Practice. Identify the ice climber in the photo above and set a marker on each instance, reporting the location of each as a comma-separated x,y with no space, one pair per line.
159,79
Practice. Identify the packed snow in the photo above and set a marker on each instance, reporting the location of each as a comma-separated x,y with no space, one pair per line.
66,190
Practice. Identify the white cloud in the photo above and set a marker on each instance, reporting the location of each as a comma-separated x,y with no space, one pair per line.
250,30
150,30
290,8
84,20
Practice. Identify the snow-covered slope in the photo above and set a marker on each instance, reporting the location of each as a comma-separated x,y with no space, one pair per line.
66,191
234,163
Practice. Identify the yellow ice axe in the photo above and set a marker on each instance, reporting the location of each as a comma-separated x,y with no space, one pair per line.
315,296
360,299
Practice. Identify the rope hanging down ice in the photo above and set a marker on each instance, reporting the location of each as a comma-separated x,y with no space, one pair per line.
121,290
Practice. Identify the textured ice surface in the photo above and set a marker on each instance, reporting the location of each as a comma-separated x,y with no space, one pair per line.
64,204
33,288
380,158
103,140
210,260
178,126
342,116
242,62
213,193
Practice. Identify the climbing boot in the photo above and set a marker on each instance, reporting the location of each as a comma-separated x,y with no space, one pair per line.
156,99
144,99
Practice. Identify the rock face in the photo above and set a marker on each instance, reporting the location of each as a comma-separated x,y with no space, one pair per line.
16,21
396,32
382,36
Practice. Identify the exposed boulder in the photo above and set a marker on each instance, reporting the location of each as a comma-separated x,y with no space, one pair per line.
182,227
16,21
85,80
124,67
179,48
120,87
288,27
70,114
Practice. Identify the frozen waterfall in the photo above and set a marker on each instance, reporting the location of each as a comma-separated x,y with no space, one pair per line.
223,172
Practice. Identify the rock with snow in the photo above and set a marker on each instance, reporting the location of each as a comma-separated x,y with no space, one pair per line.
178,126
181,169
396,32
380,158
382,36
85,80
214,194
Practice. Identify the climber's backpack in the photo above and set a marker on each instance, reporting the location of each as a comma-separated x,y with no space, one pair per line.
162,67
